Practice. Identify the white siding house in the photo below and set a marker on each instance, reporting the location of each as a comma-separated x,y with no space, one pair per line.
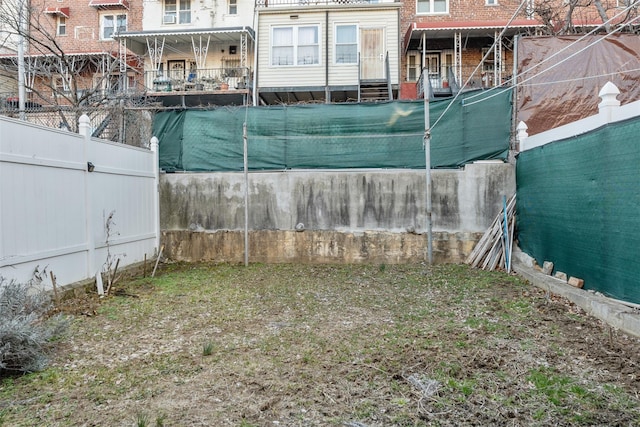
327,52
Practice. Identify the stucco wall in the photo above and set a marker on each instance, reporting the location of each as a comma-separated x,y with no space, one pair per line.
348,216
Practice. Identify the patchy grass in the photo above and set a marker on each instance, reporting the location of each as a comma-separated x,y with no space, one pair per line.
318,345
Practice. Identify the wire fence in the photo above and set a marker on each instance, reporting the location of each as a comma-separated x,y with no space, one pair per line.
117,123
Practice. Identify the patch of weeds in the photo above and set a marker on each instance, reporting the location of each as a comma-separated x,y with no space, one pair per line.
450,369
522,307
207,348
160,419
400,401
365,410
465,387
554,386
142,420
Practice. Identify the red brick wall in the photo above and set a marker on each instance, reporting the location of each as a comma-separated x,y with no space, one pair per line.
83,24
460,10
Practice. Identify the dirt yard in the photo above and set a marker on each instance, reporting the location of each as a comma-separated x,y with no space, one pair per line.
304,345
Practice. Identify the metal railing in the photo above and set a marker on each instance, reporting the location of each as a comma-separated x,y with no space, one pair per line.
444,79
208,79
259,4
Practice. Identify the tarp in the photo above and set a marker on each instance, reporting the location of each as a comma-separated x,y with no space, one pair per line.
381,135
559,78
578,205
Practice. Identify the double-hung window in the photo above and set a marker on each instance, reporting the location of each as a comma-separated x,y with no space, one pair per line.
346,44
177,11
233,7
62,26
295,45
433,6
112,24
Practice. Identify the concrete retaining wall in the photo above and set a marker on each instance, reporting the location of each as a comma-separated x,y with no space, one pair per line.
347,216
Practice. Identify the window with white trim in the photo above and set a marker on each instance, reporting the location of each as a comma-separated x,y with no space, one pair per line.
491,2
60,84
62,26
295,45
413,66
177,12
233,7
346,50
432,6
111,24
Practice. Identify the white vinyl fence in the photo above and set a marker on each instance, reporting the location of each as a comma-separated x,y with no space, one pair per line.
57,191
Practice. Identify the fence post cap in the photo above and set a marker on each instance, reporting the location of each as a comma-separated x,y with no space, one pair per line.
608,94
84,119
522,126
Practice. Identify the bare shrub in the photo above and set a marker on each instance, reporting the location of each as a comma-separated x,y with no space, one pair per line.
27,332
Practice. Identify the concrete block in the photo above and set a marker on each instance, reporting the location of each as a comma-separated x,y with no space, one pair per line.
574,281
560,275
547,268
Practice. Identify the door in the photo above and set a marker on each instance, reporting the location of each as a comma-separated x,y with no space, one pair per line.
432,66
176,69
372,53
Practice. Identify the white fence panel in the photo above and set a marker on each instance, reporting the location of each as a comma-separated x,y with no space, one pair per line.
53,211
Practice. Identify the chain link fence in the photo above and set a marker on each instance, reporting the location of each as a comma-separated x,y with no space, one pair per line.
124,124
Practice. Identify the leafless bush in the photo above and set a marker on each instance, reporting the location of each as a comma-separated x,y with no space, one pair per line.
27,332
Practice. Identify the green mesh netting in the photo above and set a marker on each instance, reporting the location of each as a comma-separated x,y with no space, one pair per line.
578,205
383,135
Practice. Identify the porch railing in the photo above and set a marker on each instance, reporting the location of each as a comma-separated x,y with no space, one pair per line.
208,79
444,79
259,4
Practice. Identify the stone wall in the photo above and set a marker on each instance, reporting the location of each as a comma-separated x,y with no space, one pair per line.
331,216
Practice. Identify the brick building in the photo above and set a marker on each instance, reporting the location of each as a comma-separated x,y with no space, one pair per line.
71,56
472,42
454,42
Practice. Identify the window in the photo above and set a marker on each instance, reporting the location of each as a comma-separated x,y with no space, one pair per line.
413,67
233,7
489,62
112,24
295,45
177,11
433,6
491,2
60,84
347,44
62,25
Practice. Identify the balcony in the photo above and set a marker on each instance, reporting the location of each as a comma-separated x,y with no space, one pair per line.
260,4
211,86
443,82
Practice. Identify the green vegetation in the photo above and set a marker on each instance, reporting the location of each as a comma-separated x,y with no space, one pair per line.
320,345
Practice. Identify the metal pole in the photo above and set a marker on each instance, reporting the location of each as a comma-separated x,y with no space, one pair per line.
246,196
21,68
427,156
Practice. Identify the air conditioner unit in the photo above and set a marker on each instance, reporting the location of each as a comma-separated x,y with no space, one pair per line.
169,19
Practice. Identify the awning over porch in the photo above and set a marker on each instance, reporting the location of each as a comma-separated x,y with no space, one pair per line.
108,4
136,41
447,29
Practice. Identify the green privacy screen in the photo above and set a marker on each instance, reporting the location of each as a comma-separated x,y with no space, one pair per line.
383,135
579,206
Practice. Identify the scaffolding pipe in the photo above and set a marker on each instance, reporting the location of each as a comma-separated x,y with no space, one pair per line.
427,155
246,196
